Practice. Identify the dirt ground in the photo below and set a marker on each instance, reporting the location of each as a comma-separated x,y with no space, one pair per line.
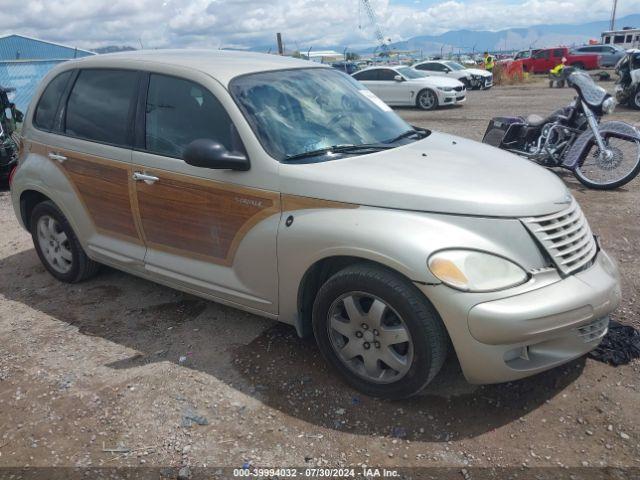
120,363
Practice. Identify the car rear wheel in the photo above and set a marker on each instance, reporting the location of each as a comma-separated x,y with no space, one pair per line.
427,100
57,245
578,65
379,331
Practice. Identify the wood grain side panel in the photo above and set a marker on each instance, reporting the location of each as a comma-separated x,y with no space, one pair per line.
103,187
294,202
200,218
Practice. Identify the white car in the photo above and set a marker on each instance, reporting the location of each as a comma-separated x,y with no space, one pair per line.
406,86
471,77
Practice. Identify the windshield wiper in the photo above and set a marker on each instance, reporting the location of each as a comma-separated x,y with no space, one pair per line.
339,149
409,133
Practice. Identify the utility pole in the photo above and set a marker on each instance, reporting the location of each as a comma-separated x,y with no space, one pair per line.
612,26
279,40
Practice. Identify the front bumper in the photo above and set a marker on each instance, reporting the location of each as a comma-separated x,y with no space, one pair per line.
520,335
453,97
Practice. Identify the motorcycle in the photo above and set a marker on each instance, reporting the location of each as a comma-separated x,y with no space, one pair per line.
10,116
628,87
601,155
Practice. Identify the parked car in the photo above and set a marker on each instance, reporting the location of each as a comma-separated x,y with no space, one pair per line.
471,77
523,54
346,67
406,86
281,187
10,117
628,85
544,60
610,55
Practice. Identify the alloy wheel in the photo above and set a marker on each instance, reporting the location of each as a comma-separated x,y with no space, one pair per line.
427,100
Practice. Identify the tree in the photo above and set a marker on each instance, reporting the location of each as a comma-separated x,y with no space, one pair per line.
352,56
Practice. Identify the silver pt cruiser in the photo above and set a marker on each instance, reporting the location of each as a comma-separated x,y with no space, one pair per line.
287,189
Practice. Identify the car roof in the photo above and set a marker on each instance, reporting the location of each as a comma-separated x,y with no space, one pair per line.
223,65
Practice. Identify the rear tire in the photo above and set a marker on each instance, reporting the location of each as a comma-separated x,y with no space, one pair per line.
427,100
578,65
408,332
58,246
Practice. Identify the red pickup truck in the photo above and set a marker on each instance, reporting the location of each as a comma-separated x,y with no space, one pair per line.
544,60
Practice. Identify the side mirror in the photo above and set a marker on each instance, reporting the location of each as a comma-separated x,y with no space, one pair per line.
205,153
398,78
447,70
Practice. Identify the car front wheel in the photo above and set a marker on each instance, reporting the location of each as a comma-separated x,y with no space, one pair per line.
427,100
379,331
635,99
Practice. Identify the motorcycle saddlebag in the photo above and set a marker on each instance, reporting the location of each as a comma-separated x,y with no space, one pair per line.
498,129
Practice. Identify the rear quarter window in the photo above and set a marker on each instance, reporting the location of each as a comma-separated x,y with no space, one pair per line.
48,103
100,106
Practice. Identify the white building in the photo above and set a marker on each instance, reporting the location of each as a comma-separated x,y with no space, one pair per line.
625,38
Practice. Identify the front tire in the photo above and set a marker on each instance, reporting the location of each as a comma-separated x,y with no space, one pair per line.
599,173
379,331
58,246
634,101
427,100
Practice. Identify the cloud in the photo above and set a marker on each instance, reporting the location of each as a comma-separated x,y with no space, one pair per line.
303,23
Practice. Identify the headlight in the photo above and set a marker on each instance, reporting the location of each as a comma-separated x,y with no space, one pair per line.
609,105
446,89
474,271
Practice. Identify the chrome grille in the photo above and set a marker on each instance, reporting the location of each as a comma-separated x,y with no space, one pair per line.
589,333
566,237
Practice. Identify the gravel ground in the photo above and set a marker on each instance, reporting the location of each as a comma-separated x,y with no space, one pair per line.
120,363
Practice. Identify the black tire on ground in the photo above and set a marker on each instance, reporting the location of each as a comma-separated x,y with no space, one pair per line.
423,105
608,186
634,101
82,267
428,334
578,65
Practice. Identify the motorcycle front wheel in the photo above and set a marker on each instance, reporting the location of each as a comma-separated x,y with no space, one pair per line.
606,172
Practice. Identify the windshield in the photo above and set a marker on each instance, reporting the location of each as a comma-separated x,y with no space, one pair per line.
454,65
304,110
411,72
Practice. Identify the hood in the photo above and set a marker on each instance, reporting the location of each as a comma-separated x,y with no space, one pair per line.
437,81
477,71
442,173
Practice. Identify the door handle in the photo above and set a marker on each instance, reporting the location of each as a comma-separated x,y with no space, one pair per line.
57,157
143,177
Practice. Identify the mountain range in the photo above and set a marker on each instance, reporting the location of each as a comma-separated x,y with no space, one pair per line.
512,38
537,36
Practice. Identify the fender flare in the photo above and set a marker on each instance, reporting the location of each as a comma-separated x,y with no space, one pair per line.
584,141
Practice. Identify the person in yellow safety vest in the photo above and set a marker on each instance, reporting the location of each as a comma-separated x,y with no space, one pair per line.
488,62
555,74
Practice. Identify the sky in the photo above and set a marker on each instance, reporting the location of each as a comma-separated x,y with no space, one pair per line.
303,23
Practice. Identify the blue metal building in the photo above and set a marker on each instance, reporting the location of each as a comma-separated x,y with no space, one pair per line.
24,61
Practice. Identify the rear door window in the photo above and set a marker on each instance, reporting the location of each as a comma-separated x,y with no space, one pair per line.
386,75
48,104
428,66
366,75
180,111
100,106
